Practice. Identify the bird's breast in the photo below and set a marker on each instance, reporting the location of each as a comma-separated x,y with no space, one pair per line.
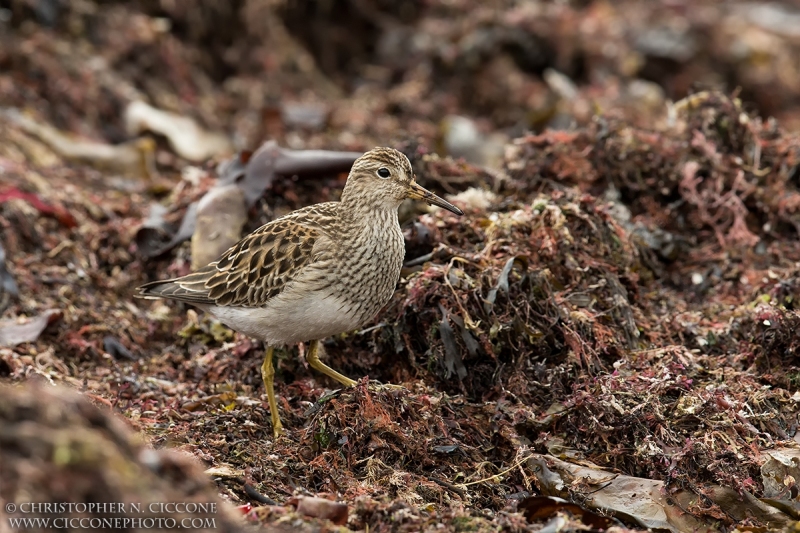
369,267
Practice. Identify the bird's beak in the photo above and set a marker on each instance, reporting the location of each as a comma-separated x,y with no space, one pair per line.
418,192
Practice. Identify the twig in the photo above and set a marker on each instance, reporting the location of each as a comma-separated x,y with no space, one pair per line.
442,251
467,319
371,328
461,492
257,496
496,476
419,260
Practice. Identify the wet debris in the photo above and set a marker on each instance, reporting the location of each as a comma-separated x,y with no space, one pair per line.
8,287
134,158
260,498
156,236
185,136
452,360
13,332
116,349
47,434
317,507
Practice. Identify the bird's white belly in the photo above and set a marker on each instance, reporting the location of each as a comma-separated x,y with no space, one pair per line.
291,320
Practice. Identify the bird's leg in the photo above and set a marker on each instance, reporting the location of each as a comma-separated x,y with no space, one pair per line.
268,375
313,359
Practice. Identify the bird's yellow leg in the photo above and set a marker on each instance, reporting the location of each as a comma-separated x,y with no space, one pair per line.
313,359
268,375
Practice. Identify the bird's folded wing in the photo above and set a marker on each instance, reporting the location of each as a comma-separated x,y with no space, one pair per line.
250,273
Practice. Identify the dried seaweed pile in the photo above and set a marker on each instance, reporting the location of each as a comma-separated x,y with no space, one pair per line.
55,442
622,293
558,299
721,172
628,355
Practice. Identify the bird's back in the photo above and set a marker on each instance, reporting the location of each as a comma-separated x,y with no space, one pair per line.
258,267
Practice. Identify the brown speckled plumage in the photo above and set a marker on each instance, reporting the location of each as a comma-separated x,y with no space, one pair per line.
318,271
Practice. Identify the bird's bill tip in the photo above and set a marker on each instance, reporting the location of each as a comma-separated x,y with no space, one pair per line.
418,192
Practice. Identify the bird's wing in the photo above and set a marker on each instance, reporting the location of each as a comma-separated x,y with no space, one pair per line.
255,269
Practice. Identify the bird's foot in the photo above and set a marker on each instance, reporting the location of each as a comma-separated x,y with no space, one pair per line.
277,430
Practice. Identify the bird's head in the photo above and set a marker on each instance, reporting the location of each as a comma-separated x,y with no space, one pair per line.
383,177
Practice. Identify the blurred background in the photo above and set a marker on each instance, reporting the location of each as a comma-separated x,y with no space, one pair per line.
352,73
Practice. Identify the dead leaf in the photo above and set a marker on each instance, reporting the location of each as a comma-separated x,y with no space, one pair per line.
185,136
321,508
221,215
536,508
643,501
742,505
222,398
454,364
154,238
12,332
780,464
134,158
502,280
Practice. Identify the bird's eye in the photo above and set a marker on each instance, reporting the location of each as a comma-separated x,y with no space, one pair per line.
384,173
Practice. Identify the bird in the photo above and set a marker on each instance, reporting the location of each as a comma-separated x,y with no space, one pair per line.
316,272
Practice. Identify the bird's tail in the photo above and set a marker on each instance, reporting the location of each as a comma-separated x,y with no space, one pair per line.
156,290
191,289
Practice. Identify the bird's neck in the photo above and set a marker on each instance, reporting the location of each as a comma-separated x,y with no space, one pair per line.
377,221
363,212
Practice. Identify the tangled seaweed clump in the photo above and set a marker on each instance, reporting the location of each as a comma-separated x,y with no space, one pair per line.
521,291
717,172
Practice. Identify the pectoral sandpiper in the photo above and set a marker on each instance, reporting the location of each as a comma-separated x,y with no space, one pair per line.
318,271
